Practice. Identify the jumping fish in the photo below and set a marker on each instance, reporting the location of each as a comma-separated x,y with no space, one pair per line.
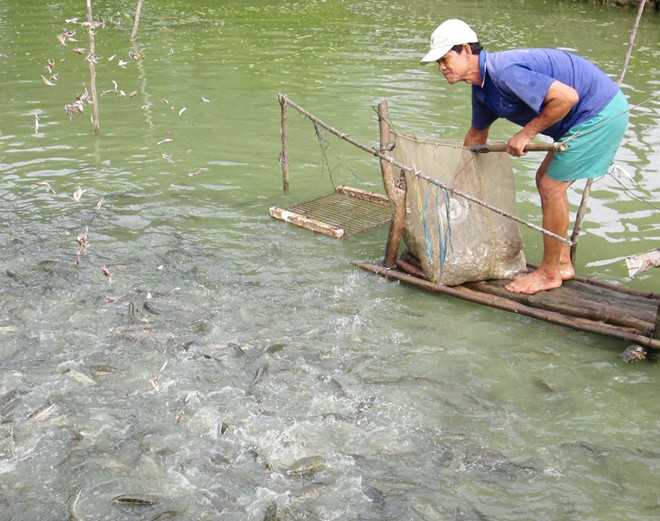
80,377
46,81
43,412
261,370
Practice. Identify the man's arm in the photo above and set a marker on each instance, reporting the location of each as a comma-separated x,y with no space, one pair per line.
558,102
476,137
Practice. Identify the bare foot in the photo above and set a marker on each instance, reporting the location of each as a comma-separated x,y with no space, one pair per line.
534,282
566,271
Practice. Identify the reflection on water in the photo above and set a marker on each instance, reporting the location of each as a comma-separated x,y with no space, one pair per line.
169,352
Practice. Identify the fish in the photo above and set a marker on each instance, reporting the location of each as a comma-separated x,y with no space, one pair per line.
543,385
9,402
271,512
238,350
274,348
46,186
77,194
107,274
72,503
261,370
80,377
310,491
46,81
375,495
150,309
102,370
306,466
42,413
136,499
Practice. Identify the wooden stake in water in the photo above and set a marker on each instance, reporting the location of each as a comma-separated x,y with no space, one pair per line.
284,155
587,189
91,58
138,9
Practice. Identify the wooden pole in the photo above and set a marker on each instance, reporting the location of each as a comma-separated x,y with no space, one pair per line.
530,147
587,188
284,154
395,189
138,9
91,57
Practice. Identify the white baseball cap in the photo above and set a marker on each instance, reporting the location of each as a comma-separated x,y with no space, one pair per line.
449,33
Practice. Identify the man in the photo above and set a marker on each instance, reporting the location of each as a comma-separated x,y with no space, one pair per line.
545,91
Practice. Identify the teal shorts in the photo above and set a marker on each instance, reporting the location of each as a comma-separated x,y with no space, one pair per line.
591,145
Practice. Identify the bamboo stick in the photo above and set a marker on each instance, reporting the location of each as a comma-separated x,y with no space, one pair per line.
515,307
306,222
637,264
530,147
587,188
136,22
284,154
416,172
579,218
91,57
395,189
372,197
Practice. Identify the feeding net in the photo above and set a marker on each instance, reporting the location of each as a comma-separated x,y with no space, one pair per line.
457,240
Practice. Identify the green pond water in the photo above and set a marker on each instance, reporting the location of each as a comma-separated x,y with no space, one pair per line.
231,366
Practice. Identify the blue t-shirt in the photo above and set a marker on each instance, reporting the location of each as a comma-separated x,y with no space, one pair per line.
516,82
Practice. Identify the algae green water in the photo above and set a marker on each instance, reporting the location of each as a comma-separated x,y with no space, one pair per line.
230,366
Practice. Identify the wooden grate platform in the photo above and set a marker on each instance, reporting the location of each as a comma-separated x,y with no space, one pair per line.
341,214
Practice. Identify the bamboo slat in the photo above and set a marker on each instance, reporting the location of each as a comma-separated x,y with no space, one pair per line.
341,214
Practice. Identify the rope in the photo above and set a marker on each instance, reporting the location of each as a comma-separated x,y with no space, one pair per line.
447,244
444,232
427,233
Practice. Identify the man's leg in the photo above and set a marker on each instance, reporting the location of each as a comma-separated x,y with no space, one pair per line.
556,265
